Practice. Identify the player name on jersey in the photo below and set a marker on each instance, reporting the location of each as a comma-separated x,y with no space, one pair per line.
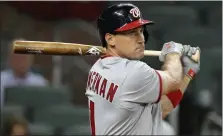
99,85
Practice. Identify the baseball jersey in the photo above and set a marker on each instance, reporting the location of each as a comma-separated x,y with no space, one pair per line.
123,97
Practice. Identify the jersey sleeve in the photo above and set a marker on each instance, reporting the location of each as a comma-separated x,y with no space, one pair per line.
142,85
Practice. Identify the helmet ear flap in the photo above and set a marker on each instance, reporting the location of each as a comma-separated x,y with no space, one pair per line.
146,34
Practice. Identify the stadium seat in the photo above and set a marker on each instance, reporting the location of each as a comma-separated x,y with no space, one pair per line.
8,110
41,129
62,115
207,81
195,36
215,17
36,96
211,60
199,5
170,16
83,129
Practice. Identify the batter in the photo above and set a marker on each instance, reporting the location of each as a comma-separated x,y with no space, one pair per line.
126,96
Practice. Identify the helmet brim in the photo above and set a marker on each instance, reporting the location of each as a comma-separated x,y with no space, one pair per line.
134,24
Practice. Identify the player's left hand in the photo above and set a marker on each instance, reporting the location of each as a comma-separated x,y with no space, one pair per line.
191,68
189,50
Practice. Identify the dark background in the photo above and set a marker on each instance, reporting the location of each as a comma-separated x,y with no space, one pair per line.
193,23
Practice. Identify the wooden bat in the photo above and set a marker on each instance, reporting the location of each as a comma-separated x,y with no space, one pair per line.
72,49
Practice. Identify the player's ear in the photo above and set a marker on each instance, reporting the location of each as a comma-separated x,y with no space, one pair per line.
110,39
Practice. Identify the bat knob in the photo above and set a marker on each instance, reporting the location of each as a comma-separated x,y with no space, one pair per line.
196,56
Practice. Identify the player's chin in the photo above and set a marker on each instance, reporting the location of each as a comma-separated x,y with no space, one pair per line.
139,55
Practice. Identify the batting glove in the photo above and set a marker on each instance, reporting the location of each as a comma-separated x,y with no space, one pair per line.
191,68
189,51
171,47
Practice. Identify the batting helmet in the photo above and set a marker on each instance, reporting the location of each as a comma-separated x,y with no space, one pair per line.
121,17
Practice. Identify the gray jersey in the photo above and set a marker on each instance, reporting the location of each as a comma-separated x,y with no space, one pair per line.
124,97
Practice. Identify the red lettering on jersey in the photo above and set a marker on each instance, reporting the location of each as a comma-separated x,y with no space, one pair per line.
89,79
95,79
103,87
92,80
97,83
111,92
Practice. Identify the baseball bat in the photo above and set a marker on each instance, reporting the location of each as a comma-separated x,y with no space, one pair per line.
72,49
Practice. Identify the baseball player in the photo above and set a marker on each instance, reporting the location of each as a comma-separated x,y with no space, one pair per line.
126,96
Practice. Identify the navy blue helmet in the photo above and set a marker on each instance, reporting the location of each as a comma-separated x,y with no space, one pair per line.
121,17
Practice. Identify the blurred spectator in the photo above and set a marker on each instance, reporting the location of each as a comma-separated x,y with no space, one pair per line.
19,73
15,126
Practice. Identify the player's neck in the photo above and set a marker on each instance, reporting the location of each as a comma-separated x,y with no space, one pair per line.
112,52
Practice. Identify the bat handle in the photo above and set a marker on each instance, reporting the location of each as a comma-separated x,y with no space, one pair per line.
152,53
196,56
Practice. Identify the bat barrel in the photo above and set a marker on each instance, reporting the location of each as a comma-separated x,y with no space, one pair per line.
43,49
55,48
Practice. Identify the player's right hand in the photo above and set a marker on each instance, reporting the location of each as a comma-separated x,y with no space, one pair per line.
171,47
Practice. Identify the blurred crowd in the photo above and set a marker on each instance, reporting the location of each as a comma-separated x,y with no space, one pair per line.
42,94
